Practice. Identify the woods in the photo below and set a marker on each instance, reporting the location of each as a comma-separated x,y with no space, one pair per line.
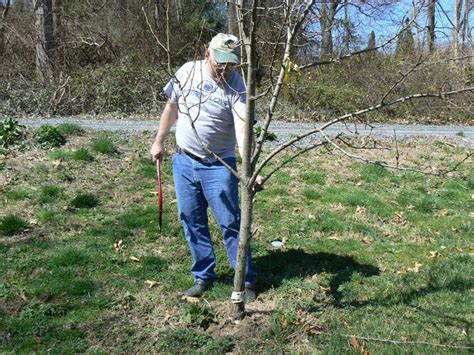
112,57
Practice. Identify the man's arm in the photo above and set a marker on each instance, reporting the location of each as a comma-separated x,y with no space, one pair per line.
168,118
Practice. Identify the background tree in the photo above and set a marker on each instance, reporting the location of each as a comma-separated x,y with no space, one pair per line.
43,10
431,16
4,13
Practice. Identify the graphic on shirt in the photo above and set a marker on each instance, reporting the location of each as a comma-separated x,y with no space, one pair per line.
207,86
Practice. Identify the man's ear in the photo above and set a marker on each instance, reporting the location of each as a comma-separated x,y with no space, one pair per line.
206,53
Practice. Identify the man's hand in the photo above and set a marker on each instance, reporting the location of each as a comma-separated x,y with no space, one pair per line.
258,184
157,151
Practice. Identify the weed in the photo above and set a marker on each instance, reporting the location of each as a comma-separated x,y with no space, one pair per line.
11,225
103,145
199,315
18,194
70,129
86,200
179,339
314,177
270,137
50,193
47,136
371,173
70,256
460,134
11,132
45,215
59,154
82,154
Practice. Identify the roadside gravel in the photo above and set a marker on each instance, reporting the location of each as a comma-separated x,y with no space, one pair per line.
459,135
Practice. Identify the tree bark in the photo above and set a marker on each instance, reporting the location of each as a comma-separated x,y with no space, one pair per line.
44,38
2,26
232,21
59,38
466,31
246,199
328,14
431,36
457,19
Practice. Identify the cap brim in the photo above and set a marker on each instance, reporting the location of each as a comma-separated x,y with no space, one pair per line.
222,57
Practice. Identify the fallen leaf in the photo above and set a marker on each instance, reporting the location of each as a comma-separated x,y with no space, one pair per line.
134,258
361,209
326,290
443,247
358,346
461,250
366,240
416,268
311,216
454,229
443,212
151,283
338,207
33,221
192,300
360,183
119,246
56,163
334,238
404,339
434,254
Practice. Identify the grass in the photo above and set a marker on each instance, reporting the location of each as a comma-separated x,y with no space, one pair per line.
12,224
375,259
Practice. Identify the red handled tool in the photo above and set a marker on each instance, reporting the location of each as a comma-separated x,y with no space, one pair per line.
160,194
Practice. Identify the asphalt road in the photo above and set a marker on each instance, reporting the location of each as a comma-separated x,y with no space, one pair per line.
462,135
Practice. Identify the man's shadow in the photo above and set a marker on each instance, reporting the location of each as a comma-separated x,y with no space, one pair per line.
277,266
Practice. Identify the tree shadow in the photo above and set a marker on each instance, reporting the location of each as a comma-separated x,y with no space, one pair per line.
278,266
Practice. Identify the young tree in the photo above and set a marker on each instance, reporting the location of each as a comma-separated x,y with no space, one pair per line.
295,14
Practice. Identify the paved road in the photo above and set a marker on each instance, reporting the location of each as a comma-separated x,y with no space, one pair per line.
463,135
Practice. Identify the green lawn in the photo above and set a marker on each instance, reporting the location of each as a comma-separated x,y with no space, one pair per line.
374,260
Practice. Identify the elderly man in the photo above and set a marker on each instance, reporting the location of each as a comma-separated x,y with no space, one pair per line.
207,98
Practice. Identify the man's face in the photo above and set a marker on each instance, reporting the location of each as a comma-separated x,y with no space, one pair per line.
220,71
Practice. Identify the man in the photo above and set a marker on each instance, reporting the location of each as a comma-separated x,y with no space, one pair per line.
207,99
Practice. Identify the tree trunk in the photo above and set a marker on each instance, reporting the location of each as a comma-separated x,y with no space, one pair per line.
431,36
457,18
466,34
328,14
2,26
246,200
44,38
232,21
59,38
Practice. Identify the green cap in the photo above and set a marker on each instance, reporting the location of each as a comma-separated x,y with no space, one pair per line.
226,48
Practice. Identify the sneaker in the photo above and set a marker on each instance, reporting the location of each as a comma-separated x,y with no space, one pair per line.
250,294
197,290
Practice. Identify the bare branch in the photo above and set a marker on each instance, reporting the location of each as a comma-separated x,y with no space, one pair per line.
352,115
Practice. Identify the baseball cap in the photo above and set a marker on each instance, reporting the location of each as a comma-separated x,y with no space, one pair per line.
226,48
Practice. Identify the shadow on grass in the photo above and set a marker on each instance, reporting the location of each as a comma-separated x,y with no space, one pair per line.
278,266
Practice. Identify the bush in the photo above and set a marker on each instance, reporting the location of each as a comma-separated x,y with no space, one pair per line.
11,225
11,132
48,136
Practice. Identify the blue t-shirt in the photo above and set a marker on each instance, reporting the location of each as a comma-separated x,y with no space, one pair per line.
212,107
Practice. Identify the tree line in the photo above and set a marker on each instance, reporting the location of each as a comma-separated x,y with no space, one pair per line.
58,49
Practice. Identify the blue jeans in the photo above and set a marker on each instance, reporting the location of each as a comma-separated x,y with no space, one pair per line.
198,185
